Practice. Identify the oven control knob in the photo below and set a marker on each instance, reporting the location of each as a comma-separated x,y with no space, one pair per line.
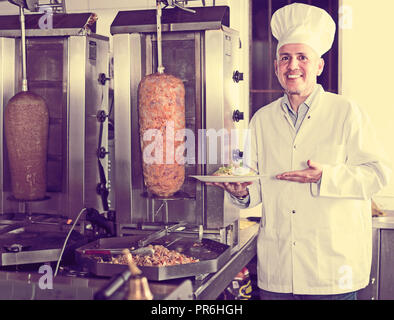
101,116
238,115
237,155
102,79
102,152
238,76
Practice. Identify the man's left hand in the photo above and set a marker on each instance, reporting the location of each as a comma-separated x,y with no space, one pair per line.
312,174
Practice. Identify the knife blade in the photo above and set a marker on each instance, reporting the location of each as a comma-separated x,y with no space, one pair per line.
143,251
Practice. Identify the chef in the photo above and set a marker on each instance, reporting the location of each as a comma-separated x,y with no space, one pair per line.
322,163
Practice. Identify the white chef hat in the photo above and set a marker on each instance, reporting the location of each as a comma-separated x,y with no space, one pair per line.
302,23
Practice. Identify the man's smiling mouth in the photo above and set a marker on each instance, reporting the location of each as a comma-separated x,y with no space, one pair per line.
294,76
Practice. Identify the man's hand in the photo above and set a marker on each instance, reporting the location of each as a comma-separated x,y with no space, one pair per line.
237,189
312,174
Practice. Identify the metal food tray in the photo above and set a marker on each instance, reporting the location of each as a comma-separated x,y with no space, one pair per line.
38,240
212,255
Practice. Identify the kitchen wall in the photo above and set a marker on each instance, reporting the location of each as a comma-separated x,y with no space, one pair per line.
366,47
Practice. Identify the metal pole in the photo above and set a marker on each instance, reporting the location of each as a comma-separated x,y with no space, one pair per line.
160,68
22,20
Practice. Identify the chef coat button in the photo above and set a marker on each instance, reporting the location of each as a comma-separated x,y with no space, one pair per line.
293,211
295,147
309,117
294,243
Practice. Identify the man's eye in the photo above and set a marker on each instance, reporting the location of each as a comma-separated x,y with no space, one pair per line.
302,58
284,58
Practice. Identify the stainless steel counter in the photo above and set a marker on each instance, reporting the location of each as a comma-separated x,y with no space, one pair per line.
384,222
211,287
382,277
22,285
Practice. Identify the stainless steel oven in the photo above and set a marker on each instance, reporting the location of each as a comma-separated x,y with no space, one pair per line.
201,50
65,66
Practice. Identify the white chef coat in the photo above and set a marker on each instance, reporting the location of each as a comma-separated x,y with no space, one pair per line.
315,238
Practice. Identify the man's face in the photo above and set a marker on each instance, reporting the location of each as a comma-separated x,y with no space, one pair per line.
297,67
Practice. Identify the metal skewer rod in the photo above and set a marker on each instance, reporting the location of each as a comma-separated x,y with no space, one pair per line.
160,67
23,30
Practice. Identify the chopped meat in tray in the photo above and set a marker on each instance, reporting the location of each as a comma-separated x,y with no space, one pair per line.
160,258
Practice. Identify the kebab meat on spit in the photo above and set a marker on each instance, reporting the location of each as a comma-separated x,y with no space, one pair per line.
26,122
161,110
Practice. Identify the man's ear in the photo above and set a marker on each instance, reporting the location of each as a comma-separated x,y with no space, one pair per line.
320,66
276,67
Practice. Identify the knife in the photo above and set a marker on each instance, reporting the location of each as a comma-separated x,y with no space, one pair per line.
159,234
143,251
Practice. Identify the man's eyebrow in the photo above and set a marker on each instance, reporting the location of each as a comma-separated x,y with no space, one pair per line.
288,54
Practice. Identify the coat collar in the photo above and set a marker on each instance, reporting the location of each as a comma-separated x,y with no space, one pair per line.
310,101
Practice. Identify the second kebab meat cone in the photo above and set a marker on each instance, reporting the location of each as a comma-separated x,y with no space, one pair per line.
26,133
26,122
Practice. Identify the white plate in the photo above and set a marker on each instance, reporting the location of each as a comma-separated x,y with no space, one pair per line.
228,178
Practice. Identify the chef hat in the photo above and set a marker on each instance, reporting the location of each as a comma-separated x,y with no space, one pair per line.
302,23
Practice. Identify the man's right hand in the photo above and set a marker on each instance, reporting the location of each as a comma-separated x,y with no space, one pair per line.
237,189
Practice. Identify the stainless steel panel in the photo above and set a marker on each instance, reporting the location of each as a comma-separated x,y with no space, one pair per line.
384,222
76,127
64,25
127,75
137,72
386,281
221,99
86,97
203,18
121,45
371,292
149,28
7,91
47,76
96,95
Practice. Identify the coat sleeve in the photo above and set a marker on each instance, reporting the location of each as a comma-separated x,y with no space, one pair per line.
366,169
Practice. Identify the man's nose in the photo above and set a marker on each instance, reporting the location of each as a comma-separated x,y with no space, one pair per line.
293,64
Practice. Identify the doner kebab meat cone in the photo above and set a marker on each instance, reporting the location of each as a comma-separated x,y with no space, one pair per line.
161,108
26,122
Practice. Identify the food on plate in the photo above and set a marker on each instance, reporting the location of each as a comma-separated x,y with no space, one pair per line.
376,211
161,257
233,170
